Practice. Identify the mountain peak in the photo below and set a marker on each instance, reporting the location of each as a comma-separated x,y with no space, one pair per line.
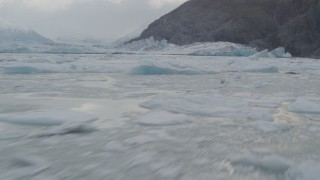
11,33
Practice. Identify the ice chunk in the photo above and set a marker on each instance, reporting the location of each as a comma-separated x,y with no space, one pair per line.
169,172
270,55
302,105
162,118
157,70
275,164
22,70
305,105
245,160
279,52
260,115
263,54
199,105
114,146
142,158
138,140
23,167
271,163
6,134
305,171
271,127
67,128
287,55
266,69
254,67
49,117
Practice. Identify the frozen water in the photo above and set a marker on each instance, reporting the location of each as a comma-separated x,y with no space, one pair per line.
89,117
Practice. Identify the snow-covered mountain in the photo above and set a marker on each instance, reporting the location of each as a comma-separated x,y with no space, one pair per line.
14,34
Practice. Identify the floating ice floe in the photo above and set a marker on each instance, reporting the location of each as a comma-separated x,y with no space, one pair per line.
271,163
138,140
272,127
48,117
66,128
7,135
253,67
114,146
305,171
260,115
22,70
162,118
158,70
23,167
303,105
199,105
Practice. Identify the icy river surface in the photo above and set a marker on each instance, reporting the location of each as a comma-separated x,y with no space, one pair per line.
158,117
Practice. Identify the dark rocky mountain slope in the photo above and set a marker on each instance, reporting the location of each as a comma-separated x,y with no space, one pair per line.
294,24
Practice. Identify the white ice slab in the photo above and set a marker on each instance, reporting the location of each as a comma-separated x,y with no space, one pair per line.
47,117
303,105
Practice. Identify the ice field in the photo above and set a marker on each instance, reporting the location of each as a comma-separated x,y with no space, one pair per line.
158,117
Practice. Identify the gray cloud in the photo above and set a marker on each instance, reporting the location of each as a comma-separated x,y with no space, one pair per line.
90,18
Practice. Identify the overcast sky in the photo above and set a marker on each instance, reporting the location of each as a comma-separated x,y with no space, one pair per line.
84,18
